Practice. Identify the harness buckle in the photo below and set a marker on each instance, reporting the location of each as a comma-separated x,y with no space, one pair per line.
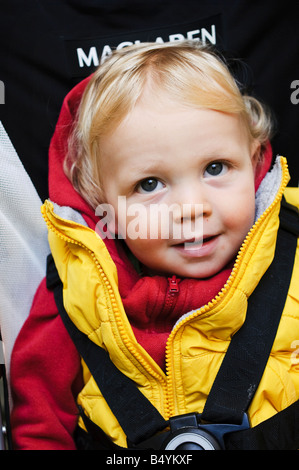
187,432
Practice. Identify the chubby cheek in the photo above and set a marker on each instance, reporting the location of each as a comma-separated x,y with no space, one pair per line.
137,221
239,218
151,253
133,224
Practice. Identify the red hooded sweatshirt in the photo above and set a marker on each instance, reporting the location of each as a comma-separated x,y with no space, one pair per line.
45,366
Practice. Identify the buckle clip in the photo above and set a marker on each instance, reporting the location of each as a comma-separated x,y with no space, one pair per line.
187,432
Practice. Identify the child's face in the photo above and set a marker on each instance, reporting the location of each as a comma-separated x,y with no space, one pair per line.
197,161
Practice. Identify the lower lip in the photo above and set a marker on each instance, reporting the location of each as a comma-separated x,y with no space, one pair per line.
194,251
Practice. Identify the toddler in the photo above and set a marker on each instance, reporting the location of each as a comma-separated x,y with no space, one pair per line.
162,220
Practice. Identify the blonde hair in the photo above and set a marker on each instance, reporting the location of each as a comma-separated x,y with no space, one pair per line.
188,71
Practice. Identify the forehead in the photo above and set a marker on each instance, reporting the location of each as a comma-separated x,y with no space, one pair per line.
159,129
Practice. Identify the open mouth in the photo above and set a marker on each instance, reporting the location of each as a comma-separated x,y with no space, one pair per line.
196,242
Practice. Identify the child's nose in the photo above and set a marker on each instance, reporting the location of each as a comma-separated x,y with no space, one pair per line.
193,204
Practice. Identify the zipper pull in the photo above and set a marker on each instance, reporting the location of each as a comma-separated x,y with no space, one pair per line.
173,284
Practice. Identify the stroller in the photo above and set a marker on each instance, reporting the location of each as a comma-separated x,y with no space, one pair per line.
23,245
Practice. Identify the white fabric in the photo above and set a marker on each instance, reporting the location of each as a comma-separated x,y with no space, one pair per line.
268,189
23,244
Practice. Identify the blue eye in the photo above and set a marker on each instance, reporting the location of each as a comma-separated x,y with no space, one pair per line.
149,185
215,169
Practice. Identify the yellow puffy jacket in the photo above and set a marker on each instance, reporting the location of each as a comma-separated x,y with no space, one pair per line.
197,343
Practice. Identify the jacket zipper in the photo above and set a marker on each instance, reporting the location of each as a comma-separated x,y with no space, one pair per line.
171,294
160,377
168,385
173,284
206,308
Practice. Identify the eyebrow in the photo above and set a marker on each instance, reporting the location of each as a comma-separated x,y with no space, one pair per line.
130,177
148,169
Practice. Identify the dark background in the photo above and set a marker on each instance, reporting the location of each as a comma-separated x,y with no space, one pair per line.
38,41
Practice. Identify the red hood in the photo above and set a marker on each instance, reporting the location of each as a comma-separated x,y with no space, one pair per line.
61,190
152,307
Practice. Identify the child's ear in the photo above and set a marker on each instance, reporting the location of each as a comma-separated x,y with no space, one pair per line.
255,154
261,161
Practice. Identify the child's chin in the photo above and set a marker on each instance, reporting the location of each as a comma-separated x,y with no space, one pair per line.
197,273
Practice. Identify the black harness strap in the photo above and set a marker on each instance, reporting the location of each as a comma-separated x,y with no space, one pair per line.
239,374
281,432
136,415
245,360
